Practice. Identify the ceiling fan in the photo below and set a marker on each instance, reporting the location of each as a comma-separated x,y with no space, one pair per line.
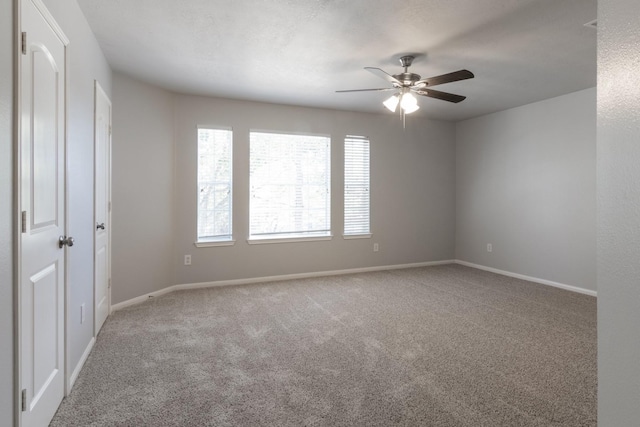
405,84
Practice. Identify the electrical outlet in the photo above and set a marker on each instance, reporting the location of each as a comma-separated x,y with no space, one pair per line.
375,247
489,247
187,260
82,313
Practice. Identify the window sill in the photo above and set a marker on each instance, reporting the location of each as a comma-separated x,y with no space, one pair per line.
255,241
356,236
214,243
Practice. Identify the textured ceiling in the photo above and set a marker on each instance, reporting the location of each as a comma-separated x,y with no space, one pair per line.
301,51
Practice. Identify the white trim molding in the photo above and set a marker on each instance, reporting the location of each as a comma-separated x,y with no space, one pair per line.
76,371
261,241
250,280
357,236
143,298
214,243
530,279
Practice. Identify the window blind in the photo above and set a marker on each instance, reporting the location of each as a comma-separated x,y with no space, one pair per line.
214,184
290,185
356,186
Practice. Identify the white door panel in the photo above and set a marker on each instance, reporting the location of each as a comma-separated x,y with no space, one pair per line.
45,328
44,177
42,200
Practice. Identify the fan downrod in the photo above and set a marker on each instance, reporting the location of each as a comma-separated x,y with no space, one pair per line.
407,78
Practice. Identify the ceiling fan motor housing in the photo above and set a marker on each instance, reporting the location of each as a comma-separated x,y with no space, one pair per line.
407,79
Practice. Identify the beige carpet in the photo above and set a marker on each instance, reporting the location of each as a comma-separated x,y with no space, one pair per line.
438,346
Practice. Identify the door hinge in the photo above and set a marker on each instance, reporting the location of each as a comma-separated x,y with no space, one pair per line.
23,40
23,399
23,220
109,207
109,130
109,282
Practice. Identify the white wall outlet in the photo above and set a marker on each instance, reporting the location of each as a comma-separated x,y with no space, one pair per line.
82,316
376,248
489,247
187,260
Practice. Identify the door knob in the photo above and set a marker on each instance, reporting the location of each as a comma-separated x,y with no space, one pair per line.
100,226
64,240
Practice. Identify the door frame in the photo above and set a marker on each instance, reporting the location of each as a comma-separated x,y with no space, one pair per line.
17,198
98,89
16,211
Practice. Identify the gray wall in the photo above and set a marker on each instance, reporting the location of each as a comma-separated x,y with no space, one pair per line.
6,209
412,180
86,64
412,191
618,213
526,183
142,232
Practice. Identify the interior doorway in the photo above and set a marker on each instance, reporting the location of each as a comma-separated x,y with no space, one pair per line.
102,208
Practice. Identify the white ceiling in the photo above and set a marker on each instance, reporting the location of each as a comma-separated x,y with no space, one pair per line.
300,52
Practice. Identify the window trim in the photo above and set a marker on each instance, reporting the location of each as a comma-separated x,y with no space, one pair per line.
357,236
255,241
213,243
292,237
360,235
227,239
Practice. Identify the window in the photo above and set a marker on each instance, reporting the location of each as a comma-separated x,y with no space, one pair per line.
356,187
214,185
290,186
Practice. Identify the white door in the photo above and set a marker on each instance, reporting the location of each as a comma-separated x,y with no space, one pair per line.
42,201
102,206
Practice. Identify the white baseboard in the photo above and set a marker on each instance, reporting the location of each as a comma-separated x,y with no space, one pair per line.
142,298
247,281
78,368
530,279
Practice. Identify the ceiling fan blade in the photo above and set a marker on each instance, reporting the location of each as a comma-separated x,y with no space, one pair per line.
446,78
380,73
440,95
365,90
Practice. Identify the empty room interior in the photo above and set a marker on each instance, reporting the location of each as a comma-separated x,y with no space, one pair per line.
261,213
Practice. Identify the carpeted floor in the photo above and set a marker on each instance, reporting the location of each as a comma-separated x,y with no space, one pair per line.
437,346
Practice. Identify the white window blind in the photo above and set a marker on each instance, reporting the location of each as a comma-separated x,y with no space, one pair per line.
356,186
214,184
290,186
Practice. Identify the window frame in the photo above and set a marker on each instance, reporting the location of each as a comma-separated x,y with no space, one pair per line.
292,237
227,239
346,163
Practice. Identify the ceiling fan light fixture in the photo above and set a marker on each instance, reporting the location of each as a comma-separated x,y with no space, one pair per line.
392,103
408,101
411,109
